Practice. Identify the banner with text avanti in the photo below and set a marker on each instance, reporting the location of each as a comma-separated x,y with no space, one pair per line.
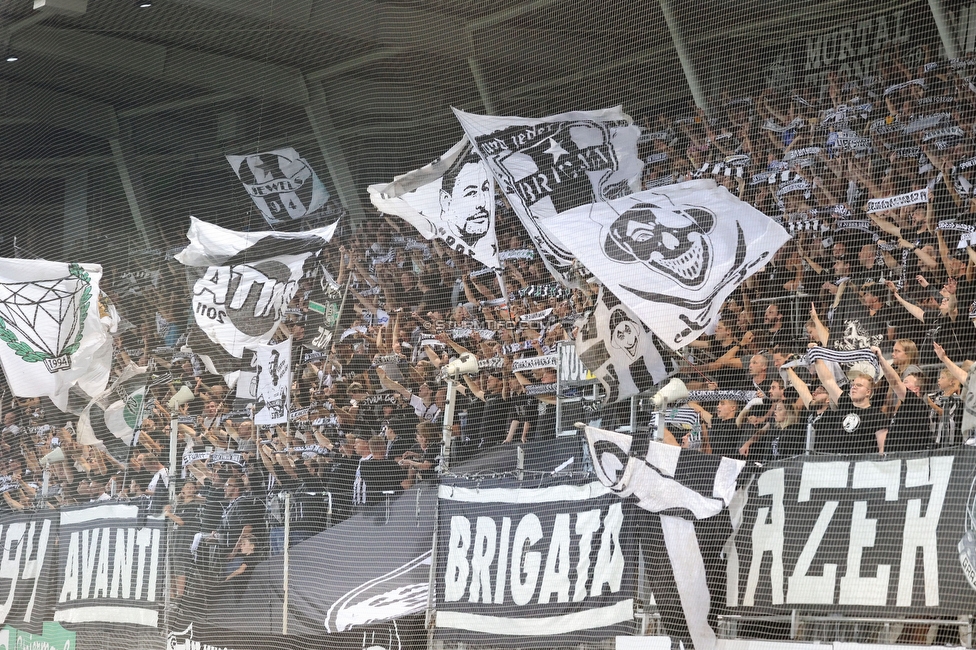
864,535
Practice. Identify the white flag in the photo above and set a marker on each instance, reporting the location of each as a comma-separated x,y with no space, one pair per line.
451,199
113,416
281,183
240,285
51,333
274,375
550,165
618,349
969,405
672,254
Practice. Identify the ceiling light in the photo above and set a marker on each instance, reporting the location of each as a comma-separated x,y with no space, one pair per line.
10,58
144,4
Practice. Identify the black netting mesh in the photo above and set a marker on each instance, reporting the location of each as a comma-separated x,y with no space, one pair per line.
241,445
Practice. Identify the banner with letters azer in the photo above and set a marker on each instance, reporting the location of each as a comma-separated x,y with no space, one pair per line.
867,535
550,564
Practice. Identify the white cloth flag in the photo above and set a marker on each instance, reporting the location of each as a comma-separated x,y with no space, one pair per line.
240,285
552,164
274,375
451,199
51,334
281,183
112,417
672,254
615,346
681,485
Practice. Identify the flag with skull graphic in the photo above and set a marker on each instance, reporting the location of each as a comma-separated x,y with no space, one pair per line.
550,165
281,183
274,375
672,254
451,199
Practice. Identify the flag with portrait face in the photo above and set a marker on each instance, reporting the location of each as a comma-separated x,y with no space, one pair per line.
549,165
274,375
452,199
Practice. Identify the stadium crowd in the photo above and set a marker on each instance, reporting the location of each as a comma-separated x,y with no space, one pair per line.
895,284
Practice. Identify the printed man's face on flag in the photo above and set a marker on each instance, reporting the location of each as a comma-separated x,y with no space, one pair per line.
467,202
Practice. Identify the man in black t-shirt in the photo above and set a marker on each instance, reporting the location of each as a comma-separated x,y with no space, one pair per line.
853,423
908,429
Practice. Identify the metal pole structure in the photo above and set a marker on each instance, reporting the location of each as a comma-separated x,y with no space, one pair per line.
284,578
174,425
559,388
945,31
683,57
447,432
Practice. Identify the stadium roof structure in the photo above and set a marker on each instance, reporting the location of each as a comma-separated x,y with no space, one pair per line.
136,103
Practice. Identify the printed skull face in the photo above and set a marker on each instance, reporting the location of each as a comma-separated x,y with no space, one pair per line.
672,242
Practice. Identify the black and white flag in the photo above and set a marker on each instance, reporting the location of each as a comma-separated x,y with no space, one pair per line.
553,164
113,417
281,183
324,310
682,485
52,336
618,349
274,376
451,199
672,254
241,284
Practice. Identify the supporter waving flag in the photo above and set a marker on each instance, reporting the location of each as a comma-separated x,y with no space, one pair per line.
240,285
672,254
556,163
451,199
52,334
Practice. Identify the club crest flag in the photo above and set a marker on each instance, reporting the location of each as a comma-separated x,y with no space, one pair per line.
51,333
240,285
618,349
451,199
672,254
281,183
553,164
274,375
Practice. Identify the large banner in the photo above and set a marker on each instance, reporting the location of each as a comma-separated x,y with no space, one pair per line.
549,565
858,535
27,569
111,566
853,50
